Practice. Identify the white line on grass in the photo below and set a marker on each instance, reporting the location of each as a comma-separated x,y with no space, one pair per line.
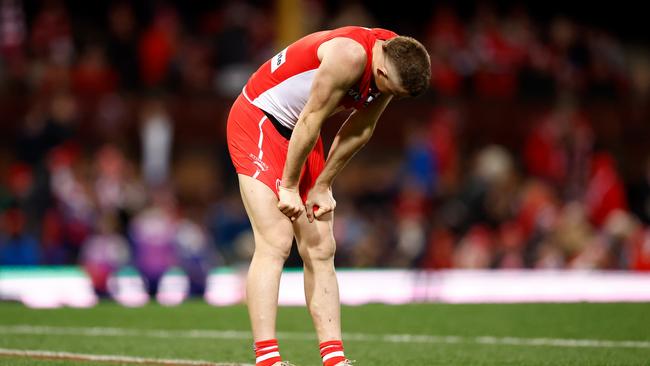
361,337
53,355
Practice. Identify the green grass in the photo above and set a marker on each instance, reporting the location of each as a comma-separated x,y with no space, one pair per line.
566,321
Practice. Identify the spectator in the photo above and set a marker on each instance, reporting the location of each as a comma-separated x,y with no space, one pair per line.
639,195
47,126
157,48
122,44
17,247
92,77
195,253
558,148
156,136
13,35
104,252
227,221
446,40
152,233
604,193
51,34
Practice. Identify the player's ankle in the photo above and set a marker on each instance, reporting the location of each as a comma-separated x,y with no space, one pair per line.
332,352
267,353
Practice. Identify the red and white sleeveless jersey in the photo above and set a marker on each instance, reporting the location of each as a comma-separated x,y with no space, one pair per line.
281,86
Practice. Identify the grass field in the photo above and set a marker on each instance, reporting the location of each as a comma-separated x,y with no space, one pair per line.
438,334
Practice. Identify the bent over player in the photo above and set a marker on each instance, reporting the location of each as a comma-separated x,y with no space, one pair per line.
274,142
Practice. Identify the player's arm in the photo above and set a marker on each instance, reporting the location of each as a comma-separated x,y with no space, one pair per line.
342,63
352,136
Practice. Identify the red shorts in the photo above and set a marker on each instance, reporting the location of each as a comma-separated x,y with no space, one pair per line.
258,150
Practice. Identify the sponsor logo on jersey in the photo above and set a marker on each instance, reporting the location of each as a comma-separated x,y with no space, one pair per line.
278,60
371,97
354,93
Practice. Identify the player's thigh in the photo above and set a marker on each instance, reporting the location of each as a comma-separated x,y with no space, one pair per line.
315,239
272,229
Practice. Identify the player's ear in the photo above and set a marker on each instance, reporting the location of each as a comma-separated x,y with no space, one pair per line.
381,71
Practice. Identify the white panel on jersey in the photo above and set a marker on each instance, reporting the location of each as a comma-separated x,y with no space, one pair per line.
286,100
278,60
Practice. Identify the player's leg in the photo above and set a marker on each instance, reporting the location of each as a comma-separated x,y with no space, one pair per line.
256,149
317,246
273,238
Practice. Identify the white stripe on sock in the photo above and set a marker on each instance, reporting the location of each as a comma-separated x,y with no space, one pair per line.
269,348
333,354
267,356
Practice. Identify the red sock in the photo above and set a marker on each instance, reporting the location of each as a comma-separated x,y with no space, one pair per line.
332,352
267,352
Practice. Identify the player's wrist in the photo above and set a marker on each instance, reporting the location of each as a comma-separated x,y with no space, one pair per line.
322,185
288,189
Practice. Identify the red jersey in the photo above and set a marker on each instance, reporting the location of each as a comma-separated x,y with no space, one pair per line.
281,86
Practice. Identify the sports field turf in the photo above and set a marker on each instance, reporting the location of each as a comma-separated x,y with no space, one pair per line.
440,334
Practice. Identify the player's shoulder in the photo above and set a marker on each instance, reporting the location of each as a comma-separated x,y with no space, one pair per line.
345,50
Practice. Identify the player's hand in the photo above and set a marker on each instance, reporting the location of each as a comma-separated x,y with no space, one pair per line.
290,203
320,196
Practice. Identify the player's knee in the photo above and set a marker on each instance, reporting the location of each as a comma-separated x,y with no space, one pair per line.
277,247
322,251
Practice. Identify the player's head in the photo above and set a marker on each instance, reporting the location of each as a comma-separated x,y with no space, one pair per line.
406,68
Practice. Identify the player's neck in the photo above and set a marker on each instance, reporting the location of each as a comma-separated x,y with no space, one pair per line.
377,55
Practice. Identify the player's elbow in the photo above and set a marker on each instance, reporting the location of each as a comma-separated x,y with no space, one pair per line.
366,134
362,139
309,124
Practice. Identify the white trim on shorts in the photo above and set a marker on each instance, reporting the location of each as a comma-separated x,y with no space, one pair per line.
259,144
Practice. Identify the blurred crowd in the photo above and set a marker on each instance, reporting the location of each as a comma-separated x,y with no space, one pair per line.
556,199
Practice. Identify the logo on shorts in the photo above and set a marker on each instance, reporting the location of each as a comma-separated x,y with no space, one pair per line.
258,163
